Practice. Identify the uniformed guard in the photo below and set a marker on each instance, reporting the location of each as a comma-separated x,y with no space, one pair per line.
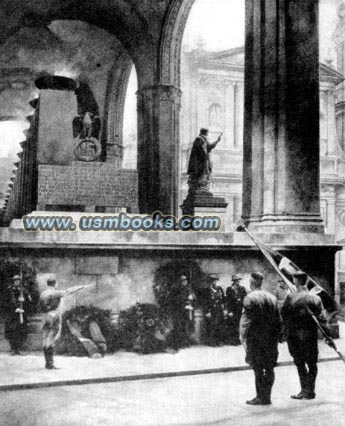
214,315
302,333
181,313
260,329
234,297
15,305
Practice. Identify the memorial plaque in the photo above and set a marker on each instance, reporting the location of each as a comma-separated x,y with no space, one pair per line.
97,265
98,184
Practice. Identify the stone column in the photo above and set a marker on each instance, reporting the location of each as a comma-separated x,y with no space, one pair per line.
281,141
158,148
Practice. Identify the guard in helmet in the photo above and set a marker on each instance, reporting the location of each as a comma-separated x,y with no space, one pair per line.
15,306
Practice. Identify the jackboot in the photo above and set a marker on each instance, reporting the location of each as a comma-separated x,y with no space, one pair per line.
303,378
46,356
50,356
310,386
267,385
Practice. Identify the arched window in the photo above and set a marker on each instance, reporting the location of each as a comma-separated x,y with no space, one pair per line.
215,119
130,124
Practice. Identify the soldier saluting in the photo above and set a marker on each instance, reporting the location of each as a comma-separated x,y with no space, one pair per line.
50,301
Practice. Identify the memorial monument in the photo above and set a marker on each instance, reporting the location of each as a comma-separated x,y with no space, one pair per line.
62,159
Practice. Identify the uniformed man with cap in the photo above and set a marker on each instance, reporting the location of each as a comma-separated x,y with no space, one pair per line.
214,315
260,330
15,305
182,302
234,297
302,333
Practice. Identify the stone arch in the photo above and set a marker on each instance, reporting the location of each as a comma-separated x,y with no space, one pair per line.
115,99
171,41
117,17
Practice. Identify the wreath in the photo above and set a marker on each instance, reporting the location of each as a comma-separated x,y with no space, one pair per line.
142,328
83,315
167,278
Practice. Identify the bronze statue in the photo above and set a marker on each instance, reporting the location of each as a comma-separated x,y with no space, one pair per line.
200,166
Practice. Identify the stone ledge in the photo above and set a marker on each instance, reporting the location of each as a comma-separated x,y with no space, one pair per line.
11,237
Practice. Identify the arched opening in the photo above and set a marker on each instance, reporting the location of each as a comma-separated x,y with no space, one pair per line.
130,130
212,81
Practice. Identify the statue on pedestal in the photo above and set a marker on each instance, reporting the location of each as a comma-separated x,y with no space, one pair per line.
200,166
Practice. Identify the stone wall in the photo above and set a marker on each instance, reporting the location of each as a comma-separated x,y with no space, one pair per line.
120,266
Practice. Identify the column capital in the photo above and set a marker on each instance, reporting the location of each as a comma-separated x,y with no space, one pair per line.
161,93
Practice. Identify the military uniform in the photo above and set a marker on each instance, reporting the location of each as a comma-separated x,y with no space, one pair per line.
235,295
302,335
50,302
260,328
180,316
16,322
215,324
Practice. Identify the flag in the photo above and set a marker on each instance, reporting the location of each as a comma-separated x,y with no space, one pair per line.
287,269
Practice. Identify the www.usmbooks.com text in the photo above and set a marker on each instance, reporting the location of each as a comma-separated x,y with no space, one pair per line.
122,222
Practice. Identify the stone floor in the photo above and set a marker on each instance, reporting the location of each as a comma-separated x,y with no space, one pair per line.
136,390
213,399
30,369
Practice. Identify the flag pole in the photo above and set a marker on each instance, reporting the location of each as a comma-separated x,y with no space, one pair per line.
270,259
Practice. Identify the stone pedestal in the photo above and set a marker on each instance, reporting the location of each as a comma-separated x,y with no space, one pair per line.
201,205
281,132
